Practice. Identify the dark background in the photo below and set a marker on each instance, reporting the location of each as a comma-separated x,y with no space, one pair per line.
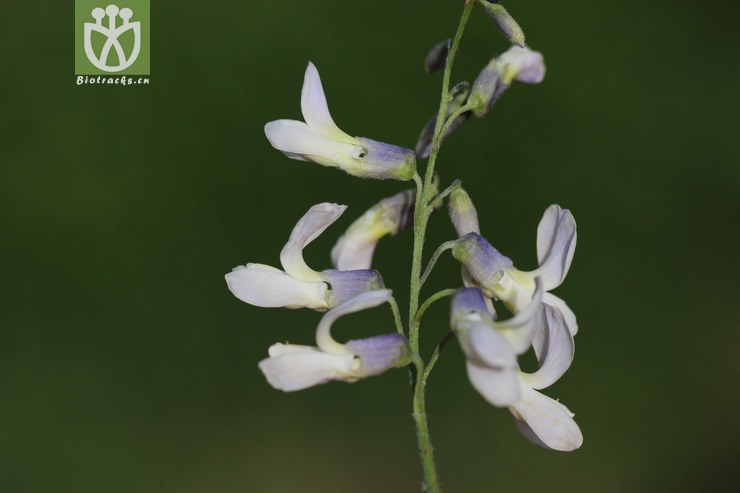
127,366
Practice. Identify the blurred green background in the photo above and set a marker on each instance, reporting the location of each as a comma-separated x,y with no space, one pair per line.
127,366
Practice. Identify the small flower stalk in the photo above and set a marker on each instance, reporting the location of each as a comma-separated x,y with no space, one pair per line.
498,312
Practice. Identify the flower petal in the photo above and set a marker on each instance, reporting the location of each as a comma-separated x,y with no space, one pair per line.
520,329
265,286
484,346
499,387
546,422
354,249
364,301
556,244
291,367
555,351
316,110
298,141
522,64
568,315
308,228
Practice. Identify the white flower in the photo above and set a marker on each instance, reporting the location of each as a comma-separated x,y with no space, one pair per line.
320,140
491,347
496,275
355,248
291,367
300,286
543,420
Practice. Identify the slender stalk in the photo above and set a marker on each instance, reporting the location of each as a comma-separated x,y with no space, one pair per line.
437,201
435,256
396,315
421,217
454,116
435,355
429,301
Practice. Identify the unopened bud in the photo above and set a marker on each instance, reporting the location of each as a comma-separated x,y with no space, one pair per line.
505,22
459,94
487,88
437,57
462,213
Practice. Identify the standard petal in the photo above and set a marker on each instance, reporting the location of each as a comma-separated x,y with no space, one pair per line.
316,110
354,250
308,228
484,346
265,286
556,244
554,351
549,421
298,141
291,367
499,387
364,301
568,315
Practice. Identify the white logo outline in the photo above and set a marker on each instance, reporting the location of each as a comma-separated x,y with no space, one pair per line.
112,33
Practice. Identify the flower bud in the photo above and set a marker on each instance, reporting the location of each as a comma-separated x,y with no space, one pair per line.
520,64
462,213
505,23
437,57
487,88
459,94
355,248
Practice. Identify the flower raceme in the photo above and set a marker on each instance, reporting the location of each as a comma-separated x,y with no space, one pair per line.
299,286
491,348
497,277
320,140
292,367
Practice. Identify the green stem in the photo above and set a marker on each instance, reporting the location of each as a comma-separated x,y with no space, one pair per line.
435,256
396,315
454,116
429,301
435,355
421,217
437,201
